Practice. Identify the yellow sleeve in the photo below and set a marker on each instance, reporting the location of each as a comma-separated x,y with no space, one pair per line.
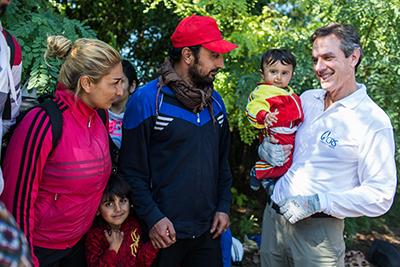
256,103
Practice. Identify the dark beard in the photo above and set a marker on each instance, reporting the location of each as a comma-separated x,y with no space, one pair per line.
3,8
200,81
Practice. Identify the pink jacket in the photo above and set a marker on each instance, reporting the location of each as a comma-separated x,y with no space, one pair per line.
54,196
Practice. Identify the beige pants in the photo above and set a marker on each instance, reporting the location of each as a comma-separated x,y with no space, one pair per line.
310,242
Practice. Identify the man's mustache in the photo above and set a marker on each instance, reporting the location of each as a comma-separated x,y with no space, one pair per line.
215,71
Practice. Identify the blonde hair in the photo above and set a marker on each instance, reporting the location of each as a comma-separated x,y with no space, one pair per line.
84,57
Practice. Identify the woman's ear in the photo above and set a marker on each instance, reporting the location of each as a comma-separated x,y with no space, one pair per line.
86,83
97,213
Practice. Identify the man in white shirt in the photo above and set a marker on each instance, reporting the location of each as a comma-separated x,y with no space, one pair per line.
343,161
10,77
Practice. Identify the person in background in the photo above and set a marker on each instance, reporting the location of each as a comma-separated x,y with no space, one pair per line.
54,192
10,80
174,151
117,111
14,249
115,238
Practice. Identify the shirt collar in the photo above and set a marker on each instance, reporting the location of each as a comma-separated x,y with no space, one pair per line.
350,101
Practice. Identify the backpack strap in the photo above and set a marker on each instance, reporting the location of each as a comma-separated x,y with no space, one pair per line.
103,115
55,116
52,111
11,45
7,108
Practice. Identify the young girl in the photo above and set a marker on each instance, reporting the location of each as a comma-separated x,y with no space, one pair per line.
115,238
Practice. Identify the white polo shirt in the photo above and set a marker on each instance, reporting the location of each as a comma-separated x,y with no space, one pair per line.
344,154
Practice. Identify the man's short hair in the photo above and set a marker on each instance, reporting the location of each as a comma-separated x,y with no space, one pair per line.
347,34
175,54
274,55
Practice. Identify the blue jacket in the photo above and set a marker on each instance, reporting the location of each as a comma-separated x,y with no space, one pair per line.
176,161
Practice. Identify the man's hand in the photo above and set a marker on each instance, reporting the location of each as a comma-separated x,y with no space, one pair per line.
297,208
162,234
114,238
220,224
273,153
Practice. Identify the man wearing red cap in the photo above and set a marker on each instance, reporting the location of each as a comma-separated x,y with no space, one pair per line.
174,150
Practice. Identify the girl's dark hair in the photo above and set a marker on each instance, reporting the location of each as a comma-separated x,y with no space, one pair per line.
275,55
116,186
130,72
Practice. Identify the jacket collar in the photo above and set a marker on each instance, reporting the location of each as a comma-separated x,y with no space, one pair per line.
350,101
78,107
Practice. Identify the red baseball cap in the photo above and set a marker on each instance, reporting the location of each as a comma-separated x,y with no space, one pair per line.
200,30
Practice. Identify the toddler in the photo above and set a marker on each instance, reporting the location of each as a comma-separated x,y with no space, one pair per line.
276,110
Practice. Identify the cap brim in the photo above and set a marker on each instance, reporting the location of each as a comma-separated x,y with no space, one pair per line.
220,46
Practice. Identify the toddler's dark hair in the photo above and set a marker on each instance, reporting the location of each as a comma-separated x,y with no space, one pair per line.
274,55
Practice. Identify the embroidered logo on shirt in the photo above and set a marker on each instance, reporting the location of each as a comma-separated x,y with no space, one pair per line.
135,239
162,122
327,139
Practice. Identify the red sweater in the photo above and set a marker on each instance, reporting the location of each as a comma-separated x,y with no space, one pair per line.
133,252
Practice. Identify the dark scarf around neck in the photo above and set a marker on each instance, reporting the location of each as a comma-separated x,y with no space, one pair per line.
195,99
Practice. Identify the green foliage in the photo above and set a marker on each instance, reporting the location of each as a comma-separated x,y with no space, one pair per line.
243,225
365,225
356,225
140,32
239,199
243,221
141,29
256,27
31,23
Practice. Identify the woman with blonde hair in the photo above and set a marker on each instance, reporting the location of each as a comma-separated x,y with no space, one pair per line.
54,191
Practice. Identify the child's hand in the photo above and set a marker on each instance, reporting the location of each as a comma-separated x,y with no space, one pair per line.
271,118
114,238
